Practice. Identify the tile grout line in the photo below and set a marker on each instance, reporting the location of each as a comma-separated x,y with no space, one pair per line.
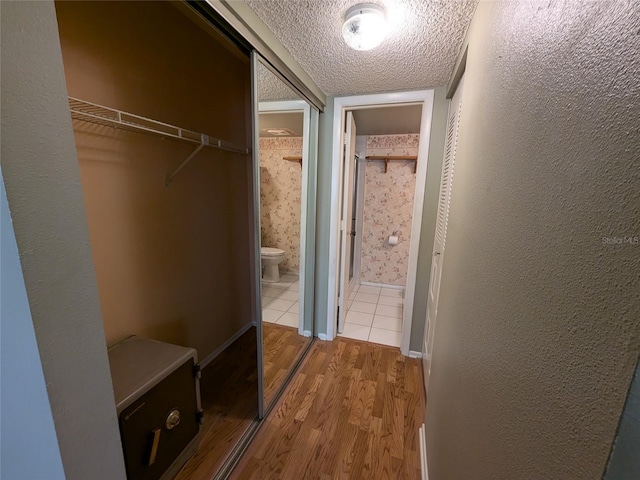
371,327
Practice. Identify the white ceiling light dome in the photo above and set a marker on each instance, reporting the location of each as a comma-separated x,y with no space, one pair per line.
365,26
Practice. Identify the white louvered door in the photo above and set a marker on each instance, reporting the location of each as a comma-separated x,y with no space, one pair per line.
349,160
446,183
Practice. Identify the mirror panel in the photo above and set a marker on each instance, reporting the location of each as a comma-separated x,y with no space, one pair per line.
287,228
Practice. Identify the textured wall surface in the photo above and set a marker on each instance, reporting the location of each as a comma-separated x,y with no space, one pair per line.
28,446
419,51
388,207
42,182
624,463
538,325
271,88
280,189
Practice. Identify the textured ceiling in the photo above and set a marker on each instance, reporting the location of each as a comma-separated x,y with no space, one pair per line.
271,88
419,51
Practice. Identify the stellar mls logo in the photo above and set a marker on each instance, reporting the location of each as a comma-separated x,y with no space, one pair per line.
133,412
621,240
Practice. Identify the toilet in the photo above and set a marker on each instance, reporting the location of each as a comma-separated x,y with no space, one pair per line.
271,258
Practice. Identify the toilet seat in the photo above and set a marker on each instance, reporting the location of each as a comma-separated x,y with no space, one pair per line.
271,252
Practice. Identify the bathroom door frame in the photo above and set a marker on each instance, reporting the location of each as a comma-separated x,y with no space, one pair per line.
358,102
289,106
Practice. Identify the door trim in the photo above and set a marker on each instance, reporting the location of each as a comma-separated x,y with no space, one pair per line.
341,104
298,106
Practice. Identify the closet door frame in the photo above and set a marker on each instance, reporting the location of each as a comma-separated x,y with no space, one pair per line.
256,300
306,272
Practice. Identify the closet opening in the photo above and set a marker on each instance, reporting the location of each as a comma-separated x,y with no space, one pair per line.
164,145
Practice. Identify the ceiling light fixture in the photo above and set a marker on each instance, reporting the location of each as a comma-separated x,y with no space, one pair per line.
364,26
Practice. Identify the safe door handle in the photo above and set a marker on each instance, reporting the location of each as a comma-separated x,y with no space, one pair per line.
154,446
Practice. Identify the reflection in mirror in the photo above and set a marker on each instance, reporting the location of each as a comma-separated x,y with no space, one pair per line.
282,219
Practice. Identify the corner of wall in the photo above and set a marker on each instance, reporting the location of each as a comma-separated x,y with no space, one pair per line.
29,447
45,199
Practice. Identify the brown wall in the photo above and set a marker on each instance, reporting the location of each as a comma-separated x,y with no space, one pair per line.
172,263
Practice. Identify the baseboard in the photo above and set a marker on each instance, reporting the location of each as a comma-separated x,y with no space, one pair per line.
225,345
414,354
383,285
423,453
322,336
306,333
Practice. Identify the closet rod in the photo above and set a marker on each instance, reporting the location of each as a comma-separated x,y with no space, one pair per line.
101,115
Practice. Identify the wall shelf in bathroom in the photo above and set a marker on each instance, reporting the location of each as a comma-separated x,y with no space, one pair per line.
392,158
294,159
110,117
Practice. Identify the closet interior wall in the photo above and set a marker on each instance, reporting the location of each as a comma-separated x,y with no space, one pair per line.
172,263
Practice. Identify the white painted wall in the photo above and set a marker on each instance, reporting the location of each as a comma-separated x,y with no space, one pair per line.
42,182
28,443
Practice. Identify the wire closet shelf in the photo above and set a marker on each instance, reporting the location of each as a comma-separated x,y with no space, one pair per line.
110,117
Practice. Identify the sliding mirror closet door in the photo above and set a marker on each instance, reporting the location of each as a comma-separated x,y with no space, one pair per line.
162,117
286,142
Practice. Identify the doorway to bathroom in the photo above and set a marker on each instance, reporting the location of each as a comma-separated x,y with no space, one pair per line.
379,171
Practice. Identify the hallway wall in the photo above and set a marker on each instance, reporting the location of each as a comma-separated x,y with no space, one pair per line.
44,194
30,447
539,316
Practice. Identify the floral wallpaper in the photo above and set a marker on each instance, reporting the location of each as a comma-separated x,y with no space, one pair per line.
280,197
388,206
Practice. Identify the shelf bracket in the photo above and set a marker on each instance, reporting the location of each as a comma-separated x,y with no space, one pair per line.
204,141
294,159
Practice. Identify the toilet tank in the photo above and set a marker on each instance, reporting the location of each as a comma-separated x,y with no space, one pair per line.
156,388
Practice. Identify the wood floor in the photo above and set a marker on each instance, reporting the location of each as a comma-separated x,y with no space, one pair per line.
229,393
352,411
282,346
229,396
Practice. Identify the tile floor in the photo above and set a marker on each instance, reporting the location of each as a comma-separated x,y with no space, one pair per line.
375,315
280,301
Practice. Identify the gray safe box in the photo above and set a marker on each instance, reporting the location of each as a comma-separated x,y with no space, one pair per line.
156,387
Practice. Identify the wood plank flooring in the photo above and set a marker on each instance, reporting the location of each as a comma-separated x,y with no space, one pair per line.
229,393
282,346
229,396
352,411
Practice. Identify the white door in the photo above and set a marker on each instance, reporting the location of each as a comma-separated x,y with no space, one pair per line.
348,162
446,183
